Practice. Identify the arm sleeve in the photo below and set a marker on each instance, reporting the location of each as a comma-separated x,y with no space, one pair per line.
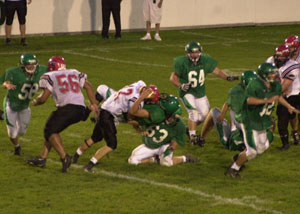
46,82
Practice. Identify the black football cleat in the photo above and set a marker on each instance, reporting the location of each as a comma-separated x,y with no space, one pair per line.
17,151
232,173
88,168
191,158
75,158
295,137
37,161
66,163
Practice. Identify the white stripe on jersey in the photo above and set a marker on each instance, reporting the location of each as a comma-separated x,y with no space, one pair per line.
65,86
121,101
291,70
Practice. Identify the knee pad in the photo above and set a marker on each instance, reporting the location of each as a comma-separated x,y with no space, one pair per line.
193,115
251,153
47,134
262,147
112,144
12,133
166,161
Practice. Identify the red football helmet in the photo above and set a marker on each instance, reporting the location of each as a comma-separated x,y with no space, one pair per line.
281,55
156,95
293,43
56,63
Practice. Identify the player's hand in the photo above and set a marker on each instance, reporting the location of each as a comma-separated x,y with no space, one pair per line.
292,110
232,78
11,86
185,86
147,93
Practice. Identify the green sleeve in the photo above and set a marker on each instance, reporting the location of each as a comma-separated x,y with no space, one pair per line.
210,64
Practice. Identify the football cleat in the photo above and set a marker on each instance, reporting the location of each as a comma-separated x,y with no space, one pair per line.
75,158
191,158
17,151
88,168
295,137
232,173
37,161
157,37
66,163
284,147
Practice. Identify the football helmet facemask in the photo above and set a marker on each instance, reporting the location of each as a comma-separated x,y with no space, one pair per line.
56,63
267,72
281,55
248,76
193,51
29,62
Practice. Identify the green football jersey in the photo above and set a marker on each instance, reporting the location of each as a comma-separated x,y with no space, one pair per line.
237,100
258,117
26,87
2,78
157,115
159,135
194,74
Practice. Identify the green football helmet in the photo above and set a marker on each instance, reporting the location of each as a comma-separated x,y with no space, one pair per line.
170,105
264,71
29,59
191,49
248,76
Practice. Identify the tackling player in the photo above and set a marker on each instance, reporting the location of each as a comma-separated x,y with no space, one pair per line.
161,139
21,84
189,76
65,86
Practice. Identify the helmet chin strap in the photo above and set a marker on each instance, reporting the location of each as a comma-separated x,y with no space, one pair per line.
194,60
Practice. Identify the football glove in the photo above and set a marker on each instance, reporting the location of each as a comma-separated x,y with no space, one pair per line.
232,78
185,86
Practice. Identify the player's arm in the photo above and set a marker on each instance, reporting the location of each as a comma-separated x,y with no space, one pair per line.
224,110
259,101
171,148
7,85
286,83
218,72
42,98
174,79
290,108
135,109
91,95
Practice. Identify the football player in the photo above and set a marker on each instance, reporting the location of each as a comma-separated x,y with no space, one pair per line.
116,106
65,86
189,76
261,95
289,75
160,140
293,44
21,84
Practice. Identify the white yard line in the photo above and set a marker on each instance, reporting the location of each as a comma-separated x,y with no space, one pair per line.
246,201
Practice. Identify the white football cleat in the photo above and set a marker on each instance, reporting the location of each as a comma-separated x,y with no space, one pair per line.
157,37
146,37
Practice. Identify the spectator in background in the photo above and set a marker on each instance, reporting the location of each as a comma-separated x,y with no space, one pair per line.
152,10
108,7
11,6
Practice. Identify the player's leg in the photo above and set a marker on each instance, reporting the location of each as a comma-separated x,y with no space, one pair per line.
109,131
11,119
142,154
283,122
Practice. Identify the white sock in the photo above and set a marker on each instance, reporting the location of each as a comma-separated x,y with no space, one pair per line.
193,132
184,158
79,152
235,166
148,34
94,160
18,145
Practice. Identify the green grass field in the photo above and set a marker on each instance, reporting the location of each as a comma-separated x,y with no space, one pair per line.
270,184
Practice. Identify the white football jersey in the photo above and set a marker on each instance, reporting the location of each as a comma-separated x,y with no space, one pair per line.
290,70
121,101
298,58
65,86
